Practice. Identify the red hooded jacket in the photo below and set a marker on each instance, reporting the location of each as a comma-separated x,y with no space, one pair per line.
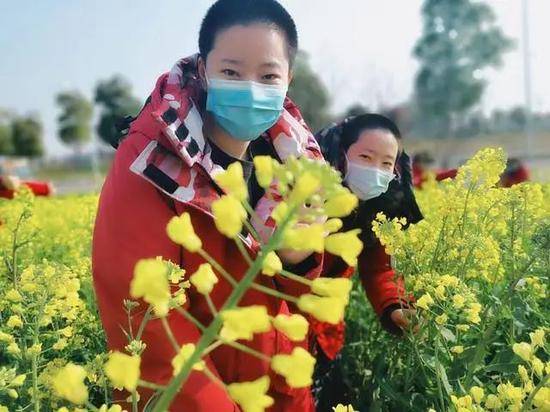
161,169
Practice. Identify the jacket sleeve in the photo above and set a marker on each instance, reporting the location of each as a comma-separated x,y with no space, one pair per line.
382,286
131,225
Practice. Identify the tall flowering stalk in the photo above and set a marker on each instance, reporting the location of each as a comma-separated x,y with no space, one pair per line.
306,192
479,267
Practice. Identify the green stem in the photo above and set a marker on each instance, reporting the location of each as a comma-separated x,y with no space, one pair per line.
170,334
192,319
253,216
35,397
296,278
150,385
134,401
527,405
274,292
204,254
211,305
212,347
243,250
210,375
210,333
246,349
146,318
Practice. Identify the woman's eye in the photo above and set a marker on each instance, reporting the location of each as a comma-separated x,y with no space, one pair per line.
270,77
230,73
364,156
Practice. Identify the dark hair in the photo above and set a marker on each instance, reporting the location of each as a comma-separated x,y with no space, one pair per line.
336,140
227,13
354,126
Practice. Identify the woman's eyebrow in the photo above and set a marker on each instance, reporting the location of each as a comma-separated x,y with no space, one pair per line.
232,61
271,64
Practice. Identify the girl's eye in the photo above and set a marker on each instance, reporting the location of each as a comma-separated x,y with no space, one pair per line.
365,156
270,77
230,73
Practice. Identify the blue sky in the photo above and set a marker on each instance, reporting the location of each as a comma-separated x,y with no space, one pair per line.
360,48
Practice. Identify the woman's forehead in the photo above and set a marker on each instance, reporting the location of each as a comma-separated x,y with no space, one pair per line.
256,44
380,141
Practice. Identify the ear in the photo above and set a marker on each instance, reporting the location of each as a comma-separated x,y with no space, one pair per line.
201,68
290,76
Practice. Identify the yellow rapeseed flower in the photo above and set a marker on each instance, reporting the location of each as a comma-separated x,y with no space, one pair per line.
183,355
325,309
150,282
332,287
251,396
229,215
493,402
305,238
180,230
458,301
341,205
13,296
244,322
280,212
294,326
14,321
333,225
457,349
538,366
263,166
204,279
271,264
537,337
297,367
343,408
304,187
523,350
346,245
123,370
68,383
542,399
232,181
477,393
425,301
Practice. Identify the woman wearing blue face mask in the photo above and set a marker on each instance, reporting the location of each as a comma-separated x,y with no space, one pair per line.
366,150
224,105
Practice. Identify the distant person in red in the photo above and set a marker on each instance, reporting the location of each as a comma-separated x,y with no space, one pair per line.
422,166
515,172
10,184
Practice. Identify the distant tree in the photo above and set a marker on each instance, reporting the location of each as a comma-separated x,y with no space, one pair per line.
459,39
356,109
115,98
27,136
6,135
310,94
75,119
518,118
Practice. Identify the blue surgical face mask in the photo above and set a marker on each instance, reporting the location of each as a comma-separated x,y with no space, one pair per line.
367,182
244,109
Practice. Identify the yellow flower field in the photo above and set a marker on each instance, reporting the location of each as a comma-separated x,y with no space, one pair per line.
478,265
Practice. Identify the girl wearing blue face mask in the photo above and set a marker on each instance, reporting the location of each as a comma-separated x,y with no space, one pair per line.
366,150
226,104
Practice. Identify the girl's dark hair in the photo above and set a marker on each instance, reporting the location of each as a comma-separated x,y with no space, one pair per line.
336,140
227,13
